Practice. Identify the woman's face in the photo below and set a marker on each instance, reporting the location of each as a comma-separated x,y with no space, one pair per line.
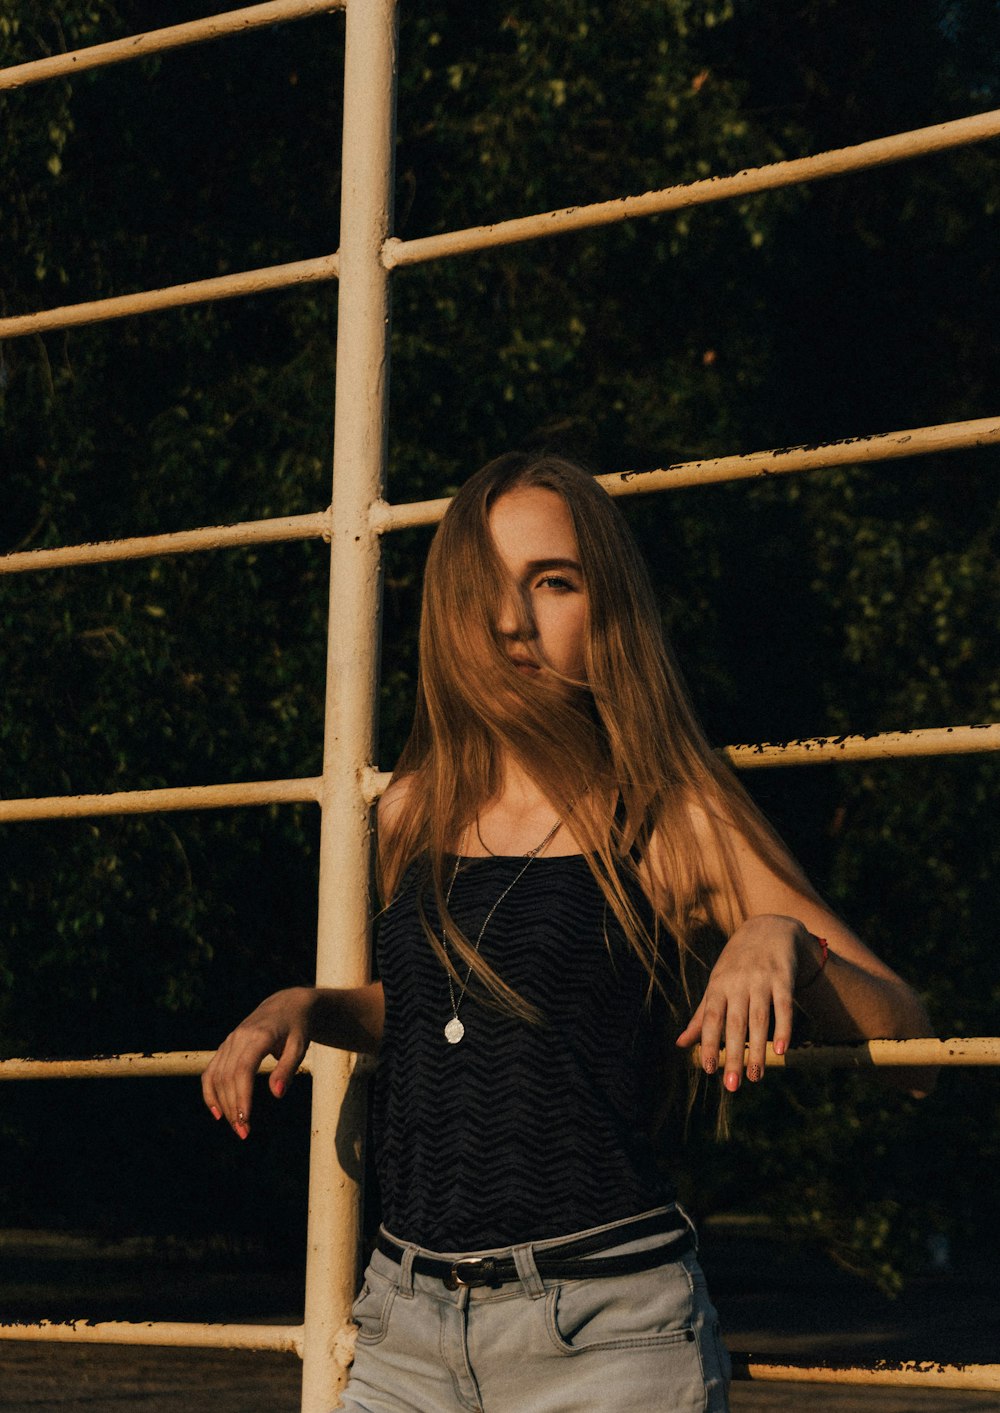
543,621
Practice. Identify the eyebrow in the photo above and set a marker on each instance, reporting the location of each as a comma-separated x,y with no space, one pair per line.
538,566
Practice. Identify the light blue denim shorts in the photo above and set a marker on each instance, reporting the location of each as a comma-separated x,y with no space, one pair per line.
646,1342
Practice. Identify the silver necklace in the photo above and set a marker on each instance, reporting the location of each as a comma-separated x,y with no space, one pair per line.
455,1030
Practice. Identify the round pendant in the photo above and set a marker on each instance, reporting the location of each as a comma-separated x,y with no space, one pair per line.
454,1031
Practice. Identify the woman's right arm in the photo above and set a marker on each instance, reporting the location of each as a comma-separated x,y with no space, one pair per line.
283,1026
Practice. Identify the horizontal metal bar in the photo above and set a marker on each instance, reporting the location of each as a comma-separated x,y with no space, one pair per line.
878,152
374,783
95,311
961,1052
281,1339
932,741
917,441
171,1063
875,153
184,797
880,1372
885,745
884,446
288,1339
825,750
155,41
314,526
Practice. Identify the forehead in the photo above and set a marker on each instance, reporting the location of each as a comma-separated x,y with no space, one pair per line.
532,523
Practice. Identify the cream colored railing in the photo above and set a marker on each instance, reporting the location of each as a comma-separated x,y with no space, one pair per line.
352,524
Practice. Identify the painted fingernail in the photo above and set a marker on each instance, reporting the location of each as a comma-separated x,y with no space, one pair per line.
779,1047
710,1065
278,1088
754,1073
241,1130
215,1112
732,1081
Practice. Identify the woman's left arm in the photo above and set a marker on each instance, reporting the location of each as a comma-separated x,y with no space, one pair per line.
774,962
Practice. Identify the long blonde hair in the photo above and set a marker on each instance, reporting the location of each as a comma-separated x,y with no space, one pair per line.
625,753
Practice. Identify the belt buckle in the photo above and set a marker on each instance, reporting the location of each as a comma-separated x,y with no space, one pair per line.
456,1279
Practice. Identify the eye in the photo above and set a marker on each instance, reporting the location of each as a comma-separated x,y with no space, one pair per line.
558,582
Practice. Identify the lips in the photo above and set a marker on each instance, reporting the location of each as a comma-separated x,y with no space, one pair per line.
524,664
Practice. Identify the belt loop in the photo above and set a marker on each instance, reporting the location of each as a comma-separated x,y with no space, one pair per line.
691,1226
406,1271
524,1260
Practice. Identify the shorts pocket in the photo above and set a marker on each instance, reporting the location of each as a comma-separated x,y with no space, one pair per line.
370,1312
622,1312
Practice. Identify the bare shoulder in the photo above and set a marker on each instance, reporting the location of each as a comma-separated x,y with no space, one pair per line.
747,865
696,820
749,847
703,822
394,798
690,836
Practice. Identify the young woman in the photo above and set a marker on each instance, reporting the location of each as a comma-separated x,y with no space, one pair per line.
575,887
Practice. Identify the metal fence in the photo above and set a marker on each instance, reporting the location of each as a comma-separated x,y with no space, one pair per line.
353,525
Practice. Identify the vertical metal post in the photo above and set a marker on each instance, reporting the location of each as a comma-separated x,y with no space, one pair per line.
352,670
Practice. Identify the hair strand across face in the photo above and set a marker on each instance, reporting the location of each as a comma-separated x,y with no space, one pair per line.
624,750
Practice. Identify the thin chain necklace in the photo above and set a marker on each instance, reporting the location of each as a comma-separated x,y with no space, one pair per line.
455,1030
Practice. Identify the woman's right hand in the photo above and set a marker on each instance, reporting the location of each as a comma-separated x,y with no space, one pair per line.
280,1026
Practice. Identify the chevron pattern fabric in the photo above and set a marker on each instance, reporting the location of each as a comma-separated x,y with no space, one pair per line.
520,1132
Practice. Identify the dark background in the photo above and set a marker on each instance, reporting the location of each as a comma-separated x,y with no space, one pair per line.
845,600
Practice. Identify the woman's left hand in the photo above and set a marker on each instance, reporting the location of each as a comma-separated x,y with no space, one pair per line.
753,980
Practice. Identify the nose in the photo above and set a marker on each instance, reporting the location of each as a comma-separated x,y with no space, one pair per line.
513,621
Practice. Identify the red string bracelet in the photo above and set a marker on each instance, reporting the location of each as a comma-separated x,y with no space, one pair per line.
824,948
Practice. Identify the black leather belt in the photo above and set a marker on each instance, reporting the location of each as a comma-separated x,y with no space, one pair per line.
572,1260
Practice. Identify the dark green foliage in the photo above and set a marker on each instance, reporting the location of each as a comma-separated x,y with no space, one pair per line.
855,600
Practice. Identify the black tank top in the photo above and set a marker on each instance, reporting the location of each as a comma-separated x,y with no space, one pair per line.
521,1131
